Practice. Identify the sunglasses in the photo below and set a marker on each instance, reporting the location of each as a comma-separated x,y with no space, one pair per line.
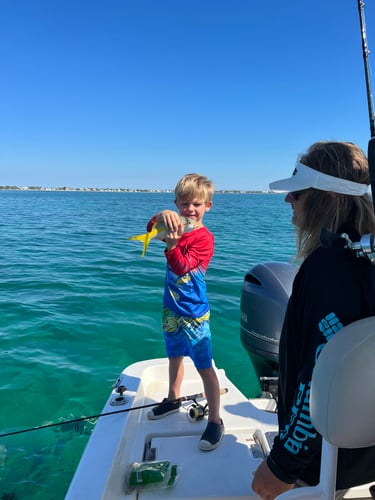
294,195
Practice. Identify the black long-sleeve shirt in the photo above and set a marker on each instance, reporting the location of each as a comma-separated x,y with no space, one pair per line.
332,289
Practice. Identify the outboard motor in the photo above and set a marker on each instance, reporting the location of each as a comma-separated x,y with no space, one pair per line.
265,293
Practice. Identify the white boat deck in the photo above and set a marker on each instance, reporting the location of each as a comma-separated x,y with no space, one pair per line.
121,439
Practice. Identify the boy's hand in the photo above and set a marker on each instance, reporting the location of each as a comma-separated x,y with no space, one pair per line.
174,226
171,220
171,239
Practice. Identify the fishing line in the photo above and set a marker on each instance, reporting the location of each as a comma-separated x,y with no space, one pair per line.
371,144
190,397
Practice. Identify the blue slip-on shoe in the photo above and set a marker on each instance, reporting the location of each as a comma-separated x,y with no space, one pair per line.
163,409
212,436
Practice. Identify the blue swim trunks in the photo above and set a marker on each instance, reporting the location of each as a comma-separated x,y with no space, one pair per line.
188,337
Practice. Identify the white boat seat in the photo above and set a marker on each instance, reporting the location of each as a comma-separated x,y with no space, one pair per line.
342,401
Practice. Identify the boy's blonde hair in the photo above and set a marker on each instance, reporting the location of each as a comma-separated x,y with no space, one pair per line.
194,186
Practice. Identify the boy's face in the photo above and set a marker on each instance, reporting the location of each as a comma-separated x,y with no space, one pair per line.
193,209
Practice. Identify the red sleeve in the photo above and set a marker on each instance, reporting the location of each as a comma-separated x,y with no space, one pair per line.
194,250
151,222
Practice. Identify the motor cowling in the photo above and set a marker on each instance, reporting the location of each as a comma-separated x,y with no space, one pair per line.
264,297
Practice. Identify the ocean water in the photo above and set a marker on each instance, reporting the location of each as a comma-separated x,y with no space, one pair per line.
79,303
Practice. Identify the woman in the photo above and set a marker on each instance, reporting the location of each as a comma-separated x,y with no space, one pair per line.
328,191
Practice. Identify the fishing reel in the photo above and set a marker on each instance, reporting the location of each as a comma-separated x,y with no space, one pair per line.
197,411
363,248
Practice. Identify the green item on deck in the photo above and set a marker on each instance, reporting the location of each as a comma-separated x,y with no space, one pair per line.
151,474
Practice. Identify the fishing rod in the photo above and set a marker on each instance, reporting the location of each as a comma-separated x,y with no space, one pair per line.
371,144
366,246
190,397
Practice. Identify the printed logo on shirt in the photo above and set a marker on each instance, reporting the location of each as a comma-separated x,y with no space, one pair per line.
328,326
301,422
182,280
296,434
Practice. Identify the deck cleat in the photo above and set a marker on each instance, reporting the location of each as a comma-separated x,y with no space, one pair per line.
119,385
120,388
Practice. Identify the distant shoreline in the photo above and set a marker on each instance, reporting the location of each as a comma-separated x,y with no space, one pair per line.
118,190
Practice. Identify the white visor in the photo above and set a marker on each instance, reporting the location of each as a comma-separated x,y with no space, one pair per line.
305,177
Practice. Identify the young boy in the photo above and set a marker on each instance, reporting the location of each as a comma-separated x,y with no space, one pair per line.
186,310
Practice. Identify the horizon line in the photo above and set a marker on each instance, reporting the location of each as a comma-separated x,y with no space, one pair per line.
125,190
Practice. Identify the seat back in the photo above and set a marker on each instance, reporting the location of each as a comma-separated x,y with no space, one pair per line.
342,399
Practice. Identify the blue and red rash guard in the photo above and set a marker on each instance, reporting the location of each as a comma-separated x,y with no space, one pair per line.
185,286
333,288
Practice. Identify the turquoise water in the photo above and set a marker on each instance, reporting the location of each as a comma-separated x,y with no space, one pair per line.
78,304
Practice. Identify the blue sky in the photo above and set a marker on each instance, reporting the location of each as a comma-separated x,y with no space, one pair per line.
134,94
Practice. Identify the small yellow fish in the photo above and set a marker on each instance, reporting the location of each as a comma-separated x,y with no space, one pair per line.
159,231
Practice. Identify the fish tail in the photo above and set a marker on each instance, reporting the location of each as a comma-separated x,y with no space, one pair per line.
144,238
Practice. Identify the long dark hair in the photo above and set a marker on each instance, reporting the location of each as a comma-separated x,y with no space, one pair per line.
332,210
